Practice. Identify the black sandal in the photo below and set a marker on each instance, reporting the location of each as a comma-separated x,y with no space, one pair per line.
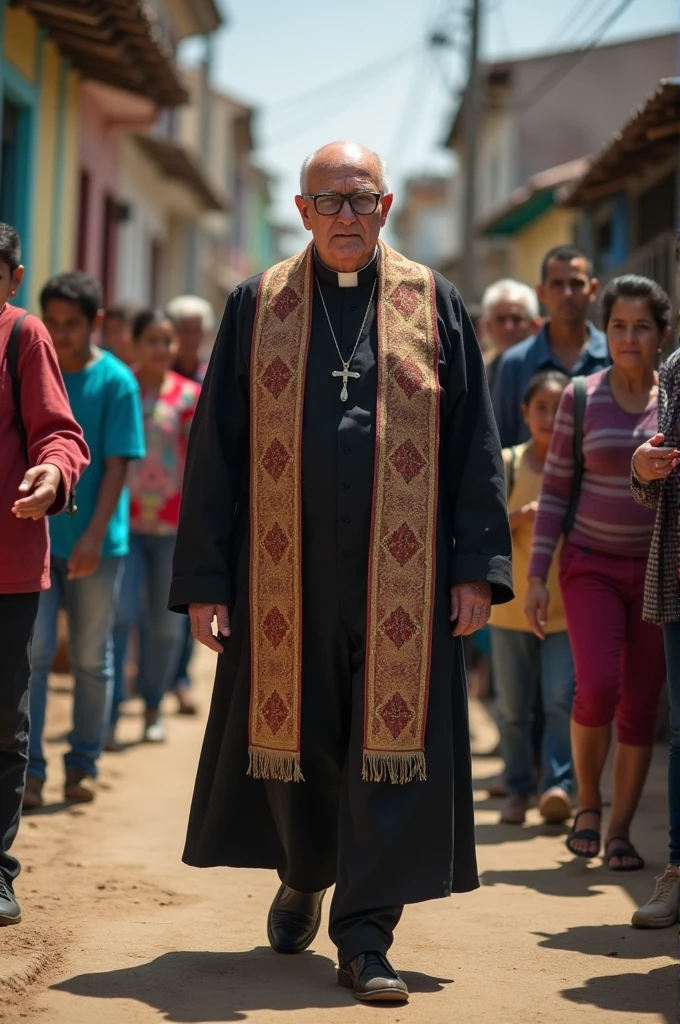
587,834
625,849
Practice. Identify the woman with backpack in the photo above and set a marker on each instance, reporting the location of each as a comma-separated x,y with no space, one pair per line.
522,662
620,666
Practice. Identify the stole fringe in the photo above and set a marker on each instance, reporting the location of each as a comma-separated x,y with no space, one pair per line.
398,768
274,764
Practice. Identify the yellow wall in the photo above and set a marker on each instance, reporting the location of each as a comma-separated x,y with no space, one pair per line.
45,169
555,227
21,41
69,196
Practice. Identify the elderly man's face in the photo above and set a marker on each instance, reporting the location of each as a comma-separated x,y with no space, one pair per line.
345,241
190,336
507,324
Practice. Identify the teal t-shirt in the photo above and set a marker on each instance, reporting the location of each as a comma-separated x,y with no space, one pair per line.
106,403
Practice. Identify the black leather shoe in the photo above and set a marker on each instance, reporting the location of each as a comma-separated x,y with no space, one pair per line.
10,911
373,979
294,920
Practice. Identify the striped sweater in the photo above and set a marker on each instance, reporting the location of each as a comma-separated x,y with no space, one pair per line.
608,519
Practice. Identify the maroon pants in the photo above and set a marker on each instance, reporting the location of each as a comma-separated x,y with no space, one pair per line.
619,659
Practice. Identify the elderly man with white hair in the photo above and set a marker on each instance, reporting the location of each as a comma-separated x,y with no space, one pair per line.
195,321
510,314
343,520
194,318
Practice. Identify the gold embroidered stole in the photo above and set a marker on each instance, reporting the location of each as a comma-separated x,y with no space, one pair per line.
402,547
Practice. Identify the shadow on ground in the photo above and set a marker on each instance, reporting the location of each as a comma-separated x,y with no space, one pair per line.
492,835
578,878
188,987
652,996
613,940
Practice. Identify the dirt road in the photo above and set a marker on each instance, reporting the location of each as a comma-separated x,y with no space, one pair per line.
116,929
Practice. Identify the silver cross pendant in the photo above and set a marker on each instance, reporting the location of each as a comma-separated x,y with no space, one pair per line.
345,373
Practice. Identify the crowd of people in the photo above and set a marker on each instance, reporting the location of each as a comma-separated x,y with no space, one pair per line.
577,659
589,429
131,380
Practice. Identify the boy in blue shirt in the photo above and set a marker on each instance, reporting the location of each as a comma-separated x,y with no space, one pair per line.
88,547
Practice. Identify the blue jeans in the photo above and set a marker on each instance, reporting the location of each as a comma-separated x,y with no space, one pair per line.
521,663
143,601
182,677
671,638
89,604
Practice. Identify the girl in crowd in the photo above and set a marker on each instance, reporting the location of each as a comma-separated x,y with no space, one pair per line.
619,659
521,662
656,485
155,482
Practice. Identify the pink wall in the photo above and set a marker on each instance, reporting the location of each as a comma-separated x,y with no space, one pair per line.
99,159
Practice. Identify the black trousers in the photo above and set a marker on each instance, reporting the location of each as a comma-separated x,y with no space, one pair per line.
17,617
333,827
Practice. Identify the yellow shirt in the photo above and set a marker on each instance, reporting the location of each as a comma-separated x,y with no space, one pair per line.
526,487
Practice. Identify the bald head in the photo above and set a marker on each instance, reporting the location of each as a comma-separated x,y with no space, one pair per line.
340,160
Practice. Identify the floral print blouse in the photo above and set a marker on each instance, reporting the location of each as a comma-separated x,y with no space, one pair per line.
155,481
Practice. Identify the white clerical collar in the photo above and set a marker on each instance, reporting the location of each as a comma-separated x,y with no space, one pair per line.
351,280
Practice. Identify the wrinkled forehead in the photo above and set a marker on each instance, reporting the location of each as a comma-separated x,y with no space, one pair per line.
508,307
342,175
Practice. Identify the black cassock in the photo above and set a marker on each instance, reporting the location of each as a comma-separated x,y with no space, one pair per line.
384,845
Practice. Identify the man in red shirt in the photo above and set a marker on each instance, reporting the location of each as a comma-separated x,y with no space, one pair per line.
42,455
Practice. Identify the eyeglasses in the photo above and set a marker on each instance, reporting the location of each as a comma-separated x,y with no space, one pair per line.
328,204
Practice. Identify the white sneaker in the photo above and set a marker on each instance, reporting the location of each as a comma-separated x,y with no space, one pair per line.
662,909
155,732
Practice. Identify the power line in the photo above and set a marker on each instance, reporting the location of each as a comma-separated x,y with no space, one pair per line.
408,113
348,97
554,77
570,20
337,83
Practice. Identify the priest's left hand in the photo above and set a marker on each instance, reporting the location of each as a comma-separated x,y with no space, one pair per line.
470,607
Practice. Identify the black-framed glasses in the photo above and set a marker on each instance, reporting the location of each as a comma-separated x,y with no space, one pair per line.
329,204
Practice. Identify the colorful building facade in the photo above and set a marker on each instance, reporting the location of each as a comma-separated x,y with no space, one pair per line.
39,111
77,80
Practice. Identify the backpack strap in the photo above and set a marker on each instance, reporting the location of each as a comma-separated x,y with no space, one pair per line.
580,396
13,368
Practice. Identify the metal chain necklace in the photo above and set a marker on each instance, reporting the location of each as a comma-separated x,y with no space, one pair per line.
346,373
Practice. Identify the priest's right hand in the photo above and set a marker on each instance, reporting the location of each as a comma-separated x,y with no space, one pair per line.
201,616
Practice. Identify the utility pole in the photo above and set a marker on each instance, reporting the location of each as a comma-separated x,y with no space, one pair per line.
471,126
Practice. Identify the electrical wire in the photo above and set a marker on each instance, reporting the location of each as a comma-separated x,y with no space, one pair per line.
337,83
569,23
554,77
407,118
499,11
311,120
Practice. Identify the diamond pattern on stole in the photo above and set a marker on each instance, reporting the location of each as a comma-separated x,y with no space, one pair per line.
278,358
402,553
402,564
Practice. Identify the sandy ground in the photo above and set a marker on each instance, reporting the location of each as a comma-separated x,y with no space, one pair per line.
116,929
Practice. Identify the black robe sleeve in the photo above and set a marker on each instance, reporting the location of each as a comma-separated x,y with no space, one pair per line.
473,464
215,466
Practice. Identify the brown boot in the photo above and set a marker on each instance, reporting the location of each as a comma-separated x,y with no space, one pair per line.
33,797
79,786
